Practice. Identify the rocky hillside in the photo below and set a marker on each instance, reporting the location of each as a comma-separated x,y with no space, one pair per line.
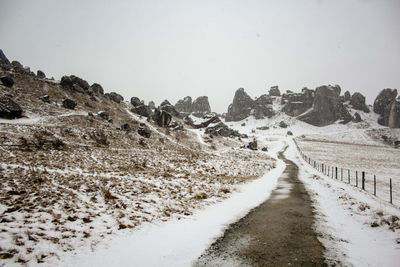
320,107
79,164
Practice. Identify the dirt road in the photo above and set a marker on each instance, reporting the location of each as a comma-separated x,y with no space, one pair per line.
277,233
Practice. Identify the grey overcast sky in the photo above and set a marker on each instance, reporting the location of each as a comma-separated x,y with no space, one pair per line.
167,49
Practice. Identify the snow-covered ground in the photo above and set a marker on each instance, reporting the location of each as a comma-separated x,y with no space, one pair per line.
353,226
179,242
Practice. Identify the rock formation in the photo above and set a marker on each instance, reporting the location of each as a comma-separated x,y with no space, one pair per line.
184,105
69,103
201,106
135,101
117,98
7,81
144,130
143,110
162,118
327,107
167,107
152,105
97,89
274,91
358,102
347,96
40,74
221,129
4,62
263,107
297,103
386,105
241,106
9,109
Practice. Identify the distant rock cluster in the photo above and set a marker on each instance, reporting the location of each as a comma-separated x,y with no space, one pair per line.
243,106
198,108
320,107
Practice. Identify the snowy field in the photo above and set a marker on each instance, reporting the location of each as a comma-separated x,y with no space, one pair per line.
355,228
381,161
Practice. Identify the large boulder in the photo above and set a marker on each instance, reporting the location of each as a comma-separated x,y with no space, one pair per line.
117,98
357,118
7,81
97,89
184,105
9,109
221,129
252,145
17,66
135,101
358,102
75,83
143,110
66,82
40,74
297,103
394,115
327,107
152,105
69,103
201,106
241,106
386,105
274,91
162,118
4,62
384,100
167,107
263,107
81,82
347,96
144,131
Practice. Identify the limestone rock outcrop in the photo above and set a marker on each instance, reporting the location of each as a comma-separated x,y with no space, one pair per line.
327,107
241,106
201,106
184,105
263,107
274,91
358,102
297,103
387,105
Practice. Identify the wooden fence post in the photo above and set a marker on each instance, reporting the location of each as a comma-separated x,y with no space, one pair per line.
336,173
390,184
341,170
374,185
363,180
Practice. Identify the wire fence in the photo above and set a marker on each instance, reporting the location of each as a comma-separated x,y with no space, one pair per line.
366,181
